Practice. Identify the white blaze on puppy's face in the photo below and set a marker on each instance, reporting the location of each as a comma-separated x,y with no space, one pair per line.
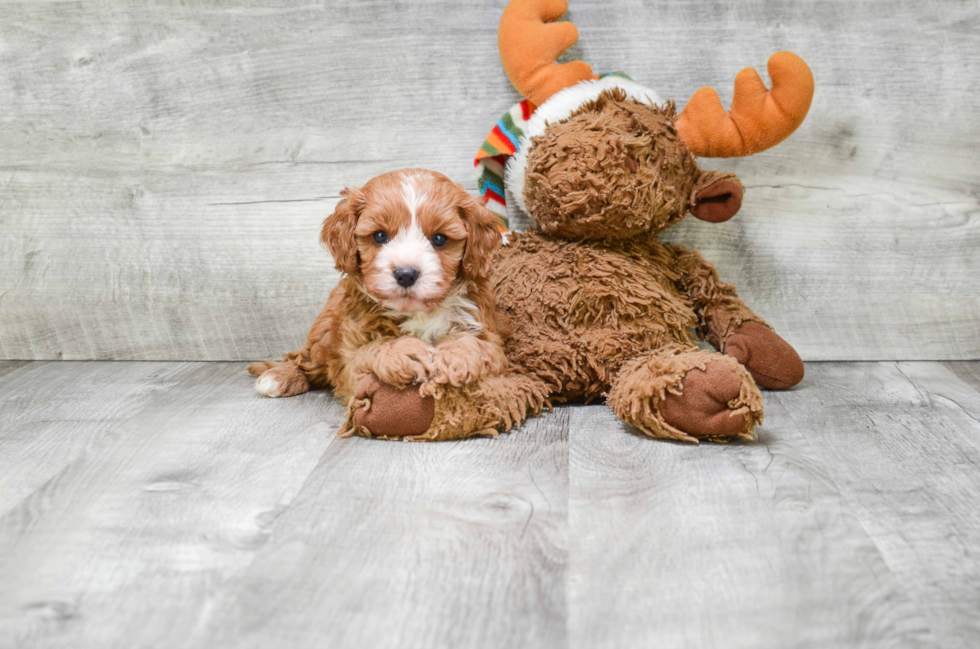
409,248
410,214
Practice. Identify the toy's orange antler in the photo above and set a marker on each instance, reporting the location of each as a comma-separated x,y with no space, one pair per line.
529,47
759,119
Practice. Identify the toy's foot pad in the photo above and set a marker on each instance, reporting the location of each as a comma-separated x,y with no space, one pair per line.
702,410
392,412
771,361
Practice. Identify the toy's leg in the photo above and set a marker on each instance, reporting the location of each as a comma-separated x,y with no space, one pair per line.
438,412
680,392
283,379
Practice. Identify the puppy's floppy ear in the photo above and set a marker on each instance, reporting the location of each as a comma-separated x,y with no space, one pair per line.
482,239
337,233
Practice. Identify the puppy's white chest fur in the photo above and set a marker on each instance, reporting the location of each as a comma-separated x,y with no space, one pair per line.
456,313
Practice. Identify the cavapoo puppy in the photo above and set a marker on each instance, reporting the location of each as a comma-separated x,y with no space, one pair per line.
413,308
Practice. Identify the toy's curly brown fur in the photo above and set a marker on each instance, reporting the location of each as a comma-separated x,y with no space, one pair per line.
579,309
613,169
720,311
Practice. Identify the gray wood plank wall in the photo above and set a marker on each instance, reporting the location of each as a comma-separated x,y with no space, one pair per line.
164,167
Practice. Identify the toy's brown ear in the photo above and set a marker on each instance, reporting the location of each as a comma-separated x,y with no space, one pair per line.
716,197
337,233
483,238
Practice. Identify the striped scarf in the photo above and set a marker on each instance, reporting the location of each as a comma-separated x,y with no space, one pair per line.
503,142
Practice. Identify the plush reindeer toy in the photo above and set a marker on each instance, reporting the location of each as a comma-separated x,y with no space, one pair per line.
598,306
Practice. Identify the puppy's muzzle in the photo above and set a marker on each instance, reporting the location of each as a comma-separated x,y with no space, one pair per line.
406,277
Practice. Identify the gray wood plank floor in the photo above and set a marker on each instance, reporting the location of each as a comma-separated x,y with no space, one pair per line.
166,505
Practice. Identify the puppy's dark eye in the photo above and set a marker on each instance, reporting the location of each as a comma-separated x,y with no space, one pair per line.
438,240
380,237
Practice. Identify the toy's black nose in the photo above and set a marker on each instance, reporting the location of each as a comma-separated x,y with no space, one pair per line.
406,276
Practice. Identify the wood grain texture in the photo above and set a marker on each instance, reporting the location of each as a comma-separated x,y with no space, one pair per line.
128,542
968,372
211,517
415,545
902,441
55,413
6,367
723,546
164,167
850,523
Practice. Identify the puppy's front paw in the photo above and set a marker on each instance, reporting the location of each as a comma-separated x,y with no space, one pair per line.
387,411
453,369
402,363
464,358
282,381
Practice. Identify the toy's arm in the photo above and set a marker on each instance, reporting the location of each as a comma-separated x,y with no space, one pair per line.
733,328
719,309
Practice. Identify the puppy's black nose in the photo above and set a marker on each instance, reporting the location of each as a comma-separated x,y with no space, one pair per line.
406,276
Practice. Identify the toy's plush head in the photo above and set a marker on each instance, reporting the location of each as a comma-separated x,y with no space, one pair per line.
409,235
616,168
604,158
